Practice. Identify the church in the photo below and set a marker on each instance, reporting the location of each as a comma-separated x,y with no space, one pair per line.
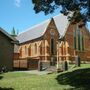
52,41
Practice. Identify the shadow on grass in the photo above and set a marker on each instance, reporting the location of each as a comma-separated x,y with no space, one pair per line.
79,79
6,88
1,77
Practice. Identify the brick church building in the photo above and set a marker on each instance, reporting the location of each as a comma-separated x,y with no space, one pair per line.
54,41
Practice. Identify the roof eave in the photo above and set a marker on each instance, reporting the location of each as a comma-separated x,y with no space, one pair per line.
31,40
8,35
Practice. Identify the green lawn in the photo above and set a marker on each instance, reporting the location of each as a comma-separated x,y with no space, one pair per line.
25,81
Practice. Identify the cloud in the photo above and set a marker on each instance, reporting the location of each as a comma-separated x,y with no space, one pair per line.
17,3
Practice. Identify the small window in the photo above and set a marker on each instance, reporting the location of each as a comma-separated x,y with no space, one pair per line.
29,51
26,50
20,52
41,50
35,48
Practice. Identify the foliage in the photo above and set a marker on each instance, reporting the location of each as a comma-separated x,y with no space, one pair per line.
49,6
13,32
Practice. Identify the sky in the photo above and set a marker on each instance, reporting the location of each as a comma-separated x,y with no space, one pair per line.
20,15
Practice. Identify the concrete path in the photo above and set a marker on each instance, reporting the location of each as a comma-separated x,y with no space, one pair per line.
36,72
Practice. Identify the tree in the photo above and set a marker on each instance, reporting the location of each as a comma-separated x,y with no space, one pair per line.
81,8
13,32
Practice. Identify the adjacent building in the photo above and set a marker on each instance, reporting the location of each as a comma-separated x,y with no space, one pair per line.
6,50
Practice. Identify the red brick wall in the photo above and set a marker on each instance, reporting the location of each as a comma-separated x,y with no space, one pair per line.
16,56
70,39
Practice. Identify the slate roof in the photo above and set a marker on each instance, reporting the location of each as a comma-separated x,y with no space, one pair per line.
37,31
7,34
62,23
33,32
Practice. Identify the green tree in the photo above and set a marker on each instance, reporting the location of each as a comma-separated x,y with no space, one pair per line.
49,6
13,32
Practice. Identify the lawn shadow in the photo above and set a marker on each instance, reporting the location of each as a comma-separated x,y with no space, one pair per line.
79,79
6,88
1,77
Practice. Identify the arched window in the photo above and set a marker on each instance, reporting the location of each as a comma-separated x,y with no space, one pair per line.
78,39
35,48
47,49
82,43
52,46
26,50
40,49
75,44
29,51
20,52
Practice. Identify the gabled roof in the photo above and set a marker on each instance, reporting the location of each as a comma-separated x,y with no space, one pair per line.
33,32
8,35
37,31
62,23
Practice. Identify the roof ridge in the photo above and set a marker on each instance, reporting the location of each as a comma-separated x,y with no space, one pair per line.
42,23
38,30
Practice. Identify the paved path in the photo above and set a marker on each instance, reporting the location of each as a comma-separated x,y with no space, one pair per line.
36,72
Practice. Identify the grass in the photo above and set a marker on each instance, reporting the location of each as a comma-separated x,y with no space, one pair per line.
25,81
22,81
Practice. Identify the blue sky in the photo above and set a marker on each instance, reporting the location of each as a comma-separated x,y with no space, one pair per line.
20,14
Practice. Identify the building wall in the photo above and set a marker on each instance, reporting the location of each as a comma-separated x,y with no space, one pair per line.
6,52
40,48
69,39
64,49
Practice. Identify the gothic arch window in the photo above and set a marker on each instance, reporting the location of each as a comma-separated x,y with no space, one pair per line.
26,50
78,39
82,42
20,52
29,50
40,49
75,44
52,46
35,48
